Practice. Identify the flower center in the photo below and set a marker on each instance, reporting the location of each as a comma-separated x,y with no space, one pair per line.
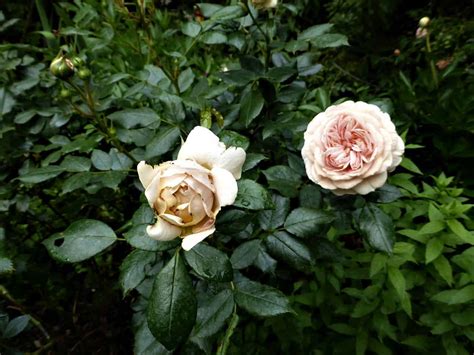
348,145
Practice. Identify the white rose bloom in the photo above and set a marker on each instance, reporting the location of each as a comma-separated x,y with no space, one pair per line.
186,194
349,148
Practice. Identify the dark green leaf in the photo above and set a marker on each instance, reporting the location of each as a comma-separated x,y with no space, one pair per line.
240,77
305,222
162,143
272,219
191,29
132,270
283,179
314,32
37,175
252,196
101,160
74,164
138,238
376,227
251,105
463,295
80,241
213,314
282,246
245,254
172,305
16,326
330,40
209,263
260,300
131,118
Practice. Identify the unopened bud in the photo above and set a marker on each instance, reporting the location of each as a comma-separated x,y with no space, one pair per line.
396,52
77,61
264,4
62,67
64,93
84,73
424,22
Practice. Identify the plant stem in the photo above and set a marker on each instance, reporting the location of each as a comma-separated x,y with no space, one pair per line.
222,350
434,74
265,36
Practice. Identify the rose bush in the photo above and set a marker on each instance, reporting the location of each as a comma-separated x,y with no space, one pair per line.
186,194
350,147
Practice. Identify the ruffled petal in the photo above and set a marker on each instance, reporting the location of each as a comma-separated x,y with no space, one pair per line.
146,173
191,240
232,160
202,146
163,230
226,186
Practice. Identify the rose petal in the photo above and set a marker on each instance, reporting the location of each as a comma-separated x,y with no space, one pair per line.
163,230
232,160
202,146
146,173
152,191
191,240
226,186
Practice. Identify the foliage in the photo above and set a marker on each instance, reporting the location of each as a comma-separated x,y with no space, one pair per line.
291,267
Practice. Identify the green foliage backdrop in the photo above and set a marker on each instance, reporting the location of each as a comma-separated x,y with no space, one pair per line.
292,268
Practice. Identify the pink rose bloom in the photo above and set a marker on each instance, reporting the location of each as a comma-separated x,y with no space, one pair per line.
350,147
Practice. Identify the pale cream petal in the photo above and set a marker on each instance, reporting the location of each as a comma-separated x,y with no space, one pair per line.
191,240
163,230
226,186
202,146
146,173
172,219
232,160
152,191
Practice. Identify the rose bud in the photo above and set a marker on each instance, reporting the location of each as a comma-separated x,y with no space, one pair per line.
424,22
62,67
264,4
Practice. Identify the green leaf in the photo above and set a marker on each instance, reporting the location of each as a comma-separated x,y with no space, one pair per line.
252,196
227,13
37,175
80,241
463,295
138,238
397,280
322,97
234,139
377,264
245,254
264,261
310,197
191,29
162,143
76,181
260,300
386,194
283,179
432,227
131,118
6,265
16,326
376,227
214,37
251,160
434,248
460,231
251,105
464,318
209,263
314,32
444,269
185,79
240,77
172,304
362,340
133,268
213,313
330,40
410,165
101,160
282,246
305,222
74,164
271,219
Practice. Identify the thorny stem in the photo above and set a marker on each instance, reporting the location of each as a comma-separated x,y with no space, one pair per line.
222,349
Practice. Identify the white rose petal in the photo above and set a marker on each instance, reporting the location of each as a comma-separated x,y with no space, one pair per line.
226,186
163,230
191,240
